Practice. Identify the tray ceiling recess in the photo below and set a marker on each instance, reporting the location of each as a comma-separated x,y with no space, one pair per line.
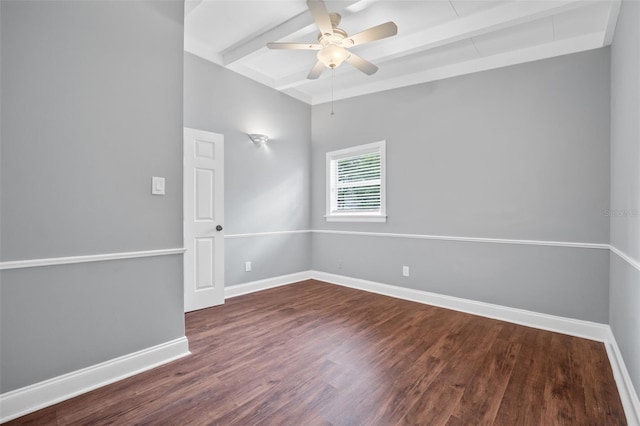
435,39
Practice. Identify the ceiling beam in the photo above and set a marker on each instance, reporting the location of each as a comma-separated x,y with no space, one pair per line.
254,43
497,18
247,47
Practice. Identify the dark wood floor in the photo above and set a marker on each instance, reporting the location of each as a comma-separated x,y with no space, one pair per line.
314,353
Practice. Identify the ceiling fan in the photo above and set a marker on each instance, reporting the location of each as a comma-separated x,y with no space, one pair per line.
333,41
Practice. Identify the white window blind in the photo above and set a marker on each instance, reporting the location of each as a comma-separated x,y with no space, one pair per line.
358,183
355,189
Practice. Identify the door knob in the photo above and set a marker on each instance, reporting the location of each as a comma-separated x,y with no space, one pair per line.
219,228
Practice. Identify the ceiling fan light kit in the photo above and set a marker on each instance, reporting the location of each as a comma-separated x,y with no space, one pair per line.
332,56
333,41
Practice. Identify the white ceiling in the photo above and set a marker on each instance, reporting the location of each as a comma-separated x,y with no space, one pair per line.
436,38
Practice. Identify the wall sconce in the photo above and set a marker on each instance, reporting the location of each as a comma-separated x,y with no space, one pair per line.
258,139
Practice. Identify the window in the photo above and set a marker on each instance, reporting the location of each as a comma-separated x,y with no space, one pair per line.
355,184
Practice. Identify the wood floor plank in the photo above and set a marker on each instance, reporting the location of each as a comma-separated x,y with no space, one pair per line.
523,400
410,386
452,380
602,392
313,353
564,401
435,407
483,393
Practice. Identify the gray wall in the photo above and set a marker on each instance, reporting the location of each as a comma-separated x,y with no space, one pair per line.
91,109
87,118
519,153
523,276
63,318
625,186
267,187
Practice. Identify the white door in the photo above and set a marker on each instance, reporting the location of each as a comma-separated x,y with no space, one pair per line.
203,219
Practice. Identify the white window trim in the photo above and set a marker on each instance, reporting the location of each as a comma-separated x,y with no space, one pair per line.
359,216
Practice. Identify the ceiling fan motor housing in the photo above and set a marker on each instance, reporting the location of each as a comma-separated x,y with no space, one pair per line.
336,38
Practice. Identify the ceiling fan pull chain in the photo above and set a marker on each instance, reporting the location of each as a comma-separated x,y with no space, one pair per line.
332,71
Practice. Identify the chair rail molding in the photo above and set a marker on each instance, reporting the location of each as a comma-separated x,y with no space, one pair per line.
32,263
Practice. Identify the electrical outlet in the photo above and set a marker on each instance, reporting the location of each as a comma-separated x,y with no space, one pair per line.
405,271
247,266
340,264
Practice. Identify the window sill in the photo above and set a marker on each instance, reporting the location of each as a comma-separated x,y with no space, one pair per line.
355,218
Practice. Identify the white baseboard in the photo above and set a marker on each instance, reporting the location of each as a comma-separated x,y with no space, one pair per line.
253,286
627,392
573,327
40,395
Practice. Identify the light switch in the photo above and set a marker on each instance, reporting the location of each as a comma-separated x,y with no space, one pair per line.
157,185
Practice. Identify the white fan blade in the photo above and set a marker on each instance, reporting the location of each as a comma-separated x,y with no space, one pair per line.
316,71
320,15
295,46
361,64
378,32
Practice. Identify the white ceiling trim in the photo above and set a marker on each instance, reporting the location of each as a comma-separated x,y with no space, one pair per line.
190,6
470,26
200,49
556,48
611,23
517,31
466,27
